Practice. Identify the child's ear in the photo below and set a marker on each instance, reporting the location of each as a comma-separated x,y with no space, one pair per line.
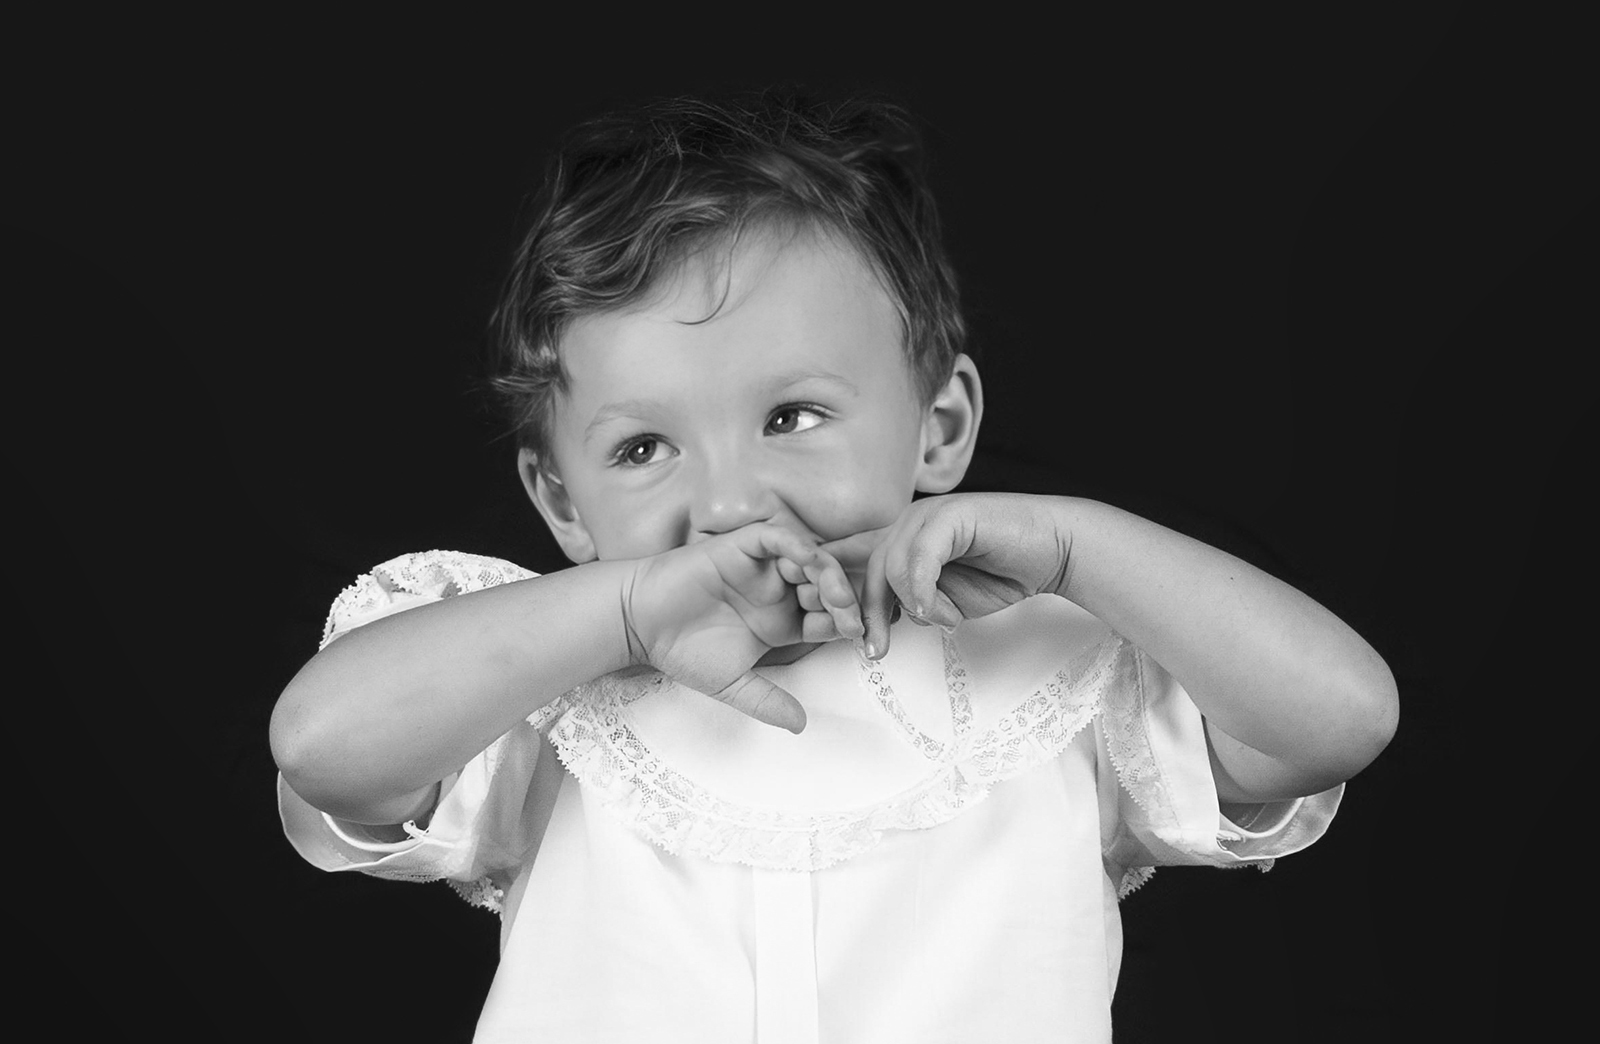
555,507
950,430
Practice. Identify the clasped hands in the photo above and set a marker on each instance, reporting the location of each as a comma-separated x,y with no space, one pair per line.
705,613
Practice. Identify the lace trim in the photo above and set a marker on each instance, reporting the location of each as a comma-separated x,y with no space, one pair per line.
955,680
482,893
1134,879
545,716
436,574
955,677
875,679
1127,736
598,746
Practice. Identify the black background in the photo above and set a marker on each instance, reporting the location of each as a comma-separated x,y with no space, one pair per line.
1312,287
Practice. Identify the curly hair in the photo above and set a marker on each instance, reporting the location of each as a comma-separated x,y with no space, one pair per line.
629,196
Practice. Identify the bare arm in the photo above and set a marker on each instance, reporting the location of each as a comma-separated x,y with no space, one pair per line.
1295,701
374,721
371,724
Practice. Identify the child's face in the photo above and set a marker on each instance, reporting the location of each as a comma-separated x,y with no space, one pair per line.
793,404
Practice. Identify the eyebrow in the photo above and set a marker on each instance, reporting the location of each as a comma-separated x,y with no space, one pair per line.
793,377
636,407
613,410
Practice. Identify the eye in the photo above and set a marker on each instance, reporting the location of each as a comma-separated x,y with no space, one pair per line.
637,452
787,420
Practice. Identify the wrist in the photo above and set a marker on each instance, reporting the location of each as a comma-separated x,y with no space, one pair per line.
1066,520
633,647
598,604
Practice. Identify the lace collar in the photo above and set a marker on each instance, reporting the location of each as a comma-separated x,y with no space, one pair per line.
596,733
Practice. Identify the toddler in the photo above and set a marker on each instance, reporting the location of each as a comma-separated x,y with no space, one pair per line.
791,754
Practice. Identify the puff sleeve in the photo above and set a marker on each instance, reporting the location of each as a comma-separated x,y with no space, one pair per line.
485,824
1158,797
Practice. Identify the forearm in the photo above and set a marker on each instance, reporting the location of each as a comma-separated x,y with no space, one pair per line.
372,722
1311,701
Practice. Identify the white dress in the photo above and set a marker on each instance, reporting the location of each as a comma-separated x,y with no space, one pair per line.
936,858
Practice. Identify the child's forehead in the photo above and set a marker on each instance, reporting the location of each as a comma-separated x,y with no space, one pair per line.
788,294
789,260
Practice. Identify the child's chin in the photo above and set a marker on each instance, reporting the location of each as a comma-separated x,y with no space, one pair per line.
786,654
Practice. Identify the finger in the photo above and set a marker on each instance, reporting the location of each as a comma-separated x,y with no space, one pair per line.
831,581
890,561
975,593
772,541
791,571
847,620
810,598
914,575
932,606
945,613
876,602
835,594
819,628
762,700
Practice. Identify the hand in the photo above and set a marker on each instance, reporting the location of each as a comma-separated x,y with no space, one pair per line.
953,558
703,614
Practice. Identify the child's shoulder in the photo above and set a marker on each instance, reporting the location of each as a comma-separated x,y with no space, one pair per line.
413,579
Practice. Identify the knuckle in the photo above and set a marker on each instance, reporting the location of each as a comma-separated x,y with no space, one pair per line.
756,702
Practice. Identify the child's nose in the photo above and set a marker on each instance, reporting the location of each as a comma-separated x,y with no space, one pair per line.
729,496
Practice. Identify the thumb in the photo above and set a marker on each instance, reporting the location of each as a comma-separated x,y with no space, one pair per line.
973,593
762,700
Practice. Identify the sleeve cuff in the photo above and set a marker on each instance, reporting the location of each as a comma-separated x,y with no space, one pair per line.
480,825
334,844
364,838
1155,736
1277,829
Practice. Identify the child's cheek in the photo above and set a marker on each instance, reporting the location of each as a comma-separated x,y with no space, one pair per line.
641,530
848,505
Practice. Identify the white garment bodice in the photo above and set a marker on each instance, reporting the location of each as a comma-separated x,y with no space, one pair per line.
937,857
